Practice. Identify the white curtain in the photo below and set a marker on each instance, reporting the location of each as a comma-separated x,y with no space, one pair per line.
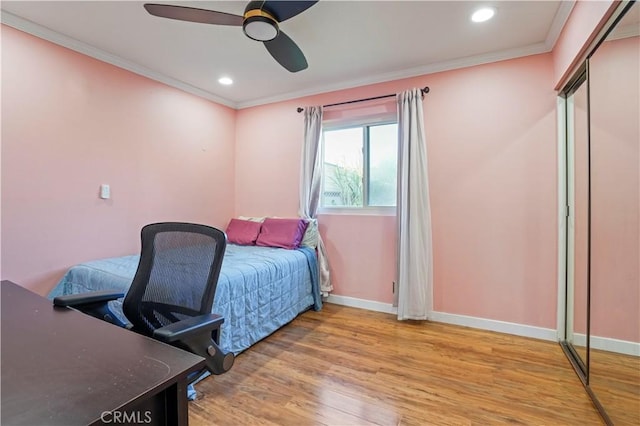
415,263
310,182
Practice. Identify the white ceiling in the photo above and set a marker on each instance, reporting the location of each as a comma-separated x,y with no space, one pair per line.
346,43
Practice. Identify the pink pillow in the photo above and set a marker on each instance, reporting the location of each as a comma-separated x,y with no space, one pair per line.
244,232
285,233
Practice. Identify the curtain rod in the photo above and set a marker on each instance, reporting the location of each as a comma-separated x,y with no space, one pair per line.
423,90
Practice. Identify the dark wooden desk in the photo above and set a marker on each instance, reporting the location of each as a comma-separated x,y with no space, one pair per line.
61,367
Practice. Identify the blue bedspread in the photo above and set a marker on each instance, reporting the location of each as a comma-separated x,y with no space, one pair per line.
260,289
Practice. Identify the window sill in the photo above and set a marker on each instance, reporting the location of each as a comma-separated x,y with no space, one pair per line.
357,211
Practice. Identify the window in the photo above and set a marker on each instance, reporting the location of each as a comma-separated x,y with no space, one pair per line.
360,166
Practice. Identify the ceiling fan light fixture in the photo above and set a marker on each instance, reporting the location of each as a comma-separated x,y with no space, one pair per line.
259,25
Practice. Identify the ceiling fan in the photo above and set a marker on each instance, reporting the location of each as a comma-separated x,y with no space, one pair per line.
259,22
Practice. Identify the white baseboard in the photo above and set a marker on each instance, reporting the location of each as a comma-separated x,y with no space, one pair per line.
602,343
608,344
353,302
480,323
494,325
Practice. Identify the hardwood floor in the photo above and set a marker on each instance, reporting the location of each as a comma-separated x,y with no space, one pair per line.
345,366
615,379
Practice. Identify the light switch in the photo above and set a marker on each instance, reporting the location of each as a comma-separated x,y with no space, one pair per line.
105,191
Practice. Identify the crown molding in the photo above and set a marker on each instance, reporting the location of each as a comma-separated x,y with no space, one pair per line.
60,39
86,49
470,61
562,14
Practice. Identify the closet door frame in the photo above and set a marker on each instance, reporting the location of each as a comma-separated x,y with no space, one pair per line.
566,215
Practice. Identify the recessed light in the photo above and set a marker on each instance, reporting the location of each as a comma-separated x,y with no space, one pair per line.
225,81
483,14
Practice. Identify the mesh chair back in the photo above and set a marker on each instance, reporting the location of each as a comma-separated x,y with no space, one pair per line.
177,274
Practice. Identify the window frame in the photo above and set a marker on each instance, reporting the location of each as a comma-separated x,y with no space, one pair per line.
365,209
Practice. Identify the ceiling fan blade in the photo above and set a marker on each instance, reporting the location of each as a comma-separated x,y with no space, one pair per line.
192,14
286,53
283,10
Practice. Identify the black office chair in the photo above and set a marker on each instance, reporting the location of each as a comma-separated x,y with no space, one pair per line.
172,292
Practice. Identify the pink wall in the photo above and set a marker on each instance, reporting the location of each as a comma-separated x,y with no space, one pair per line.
493,174
71,123
362,254
492,163
615,189
577,34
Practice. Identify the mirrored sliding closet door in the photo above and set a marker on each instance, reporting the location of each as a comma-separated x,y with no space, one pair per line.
614,88
602,336
577,219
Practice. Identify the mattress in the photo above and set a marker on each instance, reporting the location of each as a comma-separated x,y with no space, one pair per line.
260,289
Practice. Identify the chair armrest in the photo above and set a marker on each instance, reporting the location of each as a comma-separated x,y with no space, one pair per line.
72,300
183,330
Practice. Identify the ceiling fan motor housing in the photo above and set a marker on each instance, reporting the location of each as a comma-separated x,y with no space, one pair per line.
258,23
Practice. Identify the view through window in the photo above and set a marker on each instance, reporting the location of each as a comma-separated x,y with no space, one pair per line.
360,166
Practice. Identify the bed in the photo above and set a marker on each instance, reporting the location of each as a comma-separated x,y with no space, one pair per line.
260,289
